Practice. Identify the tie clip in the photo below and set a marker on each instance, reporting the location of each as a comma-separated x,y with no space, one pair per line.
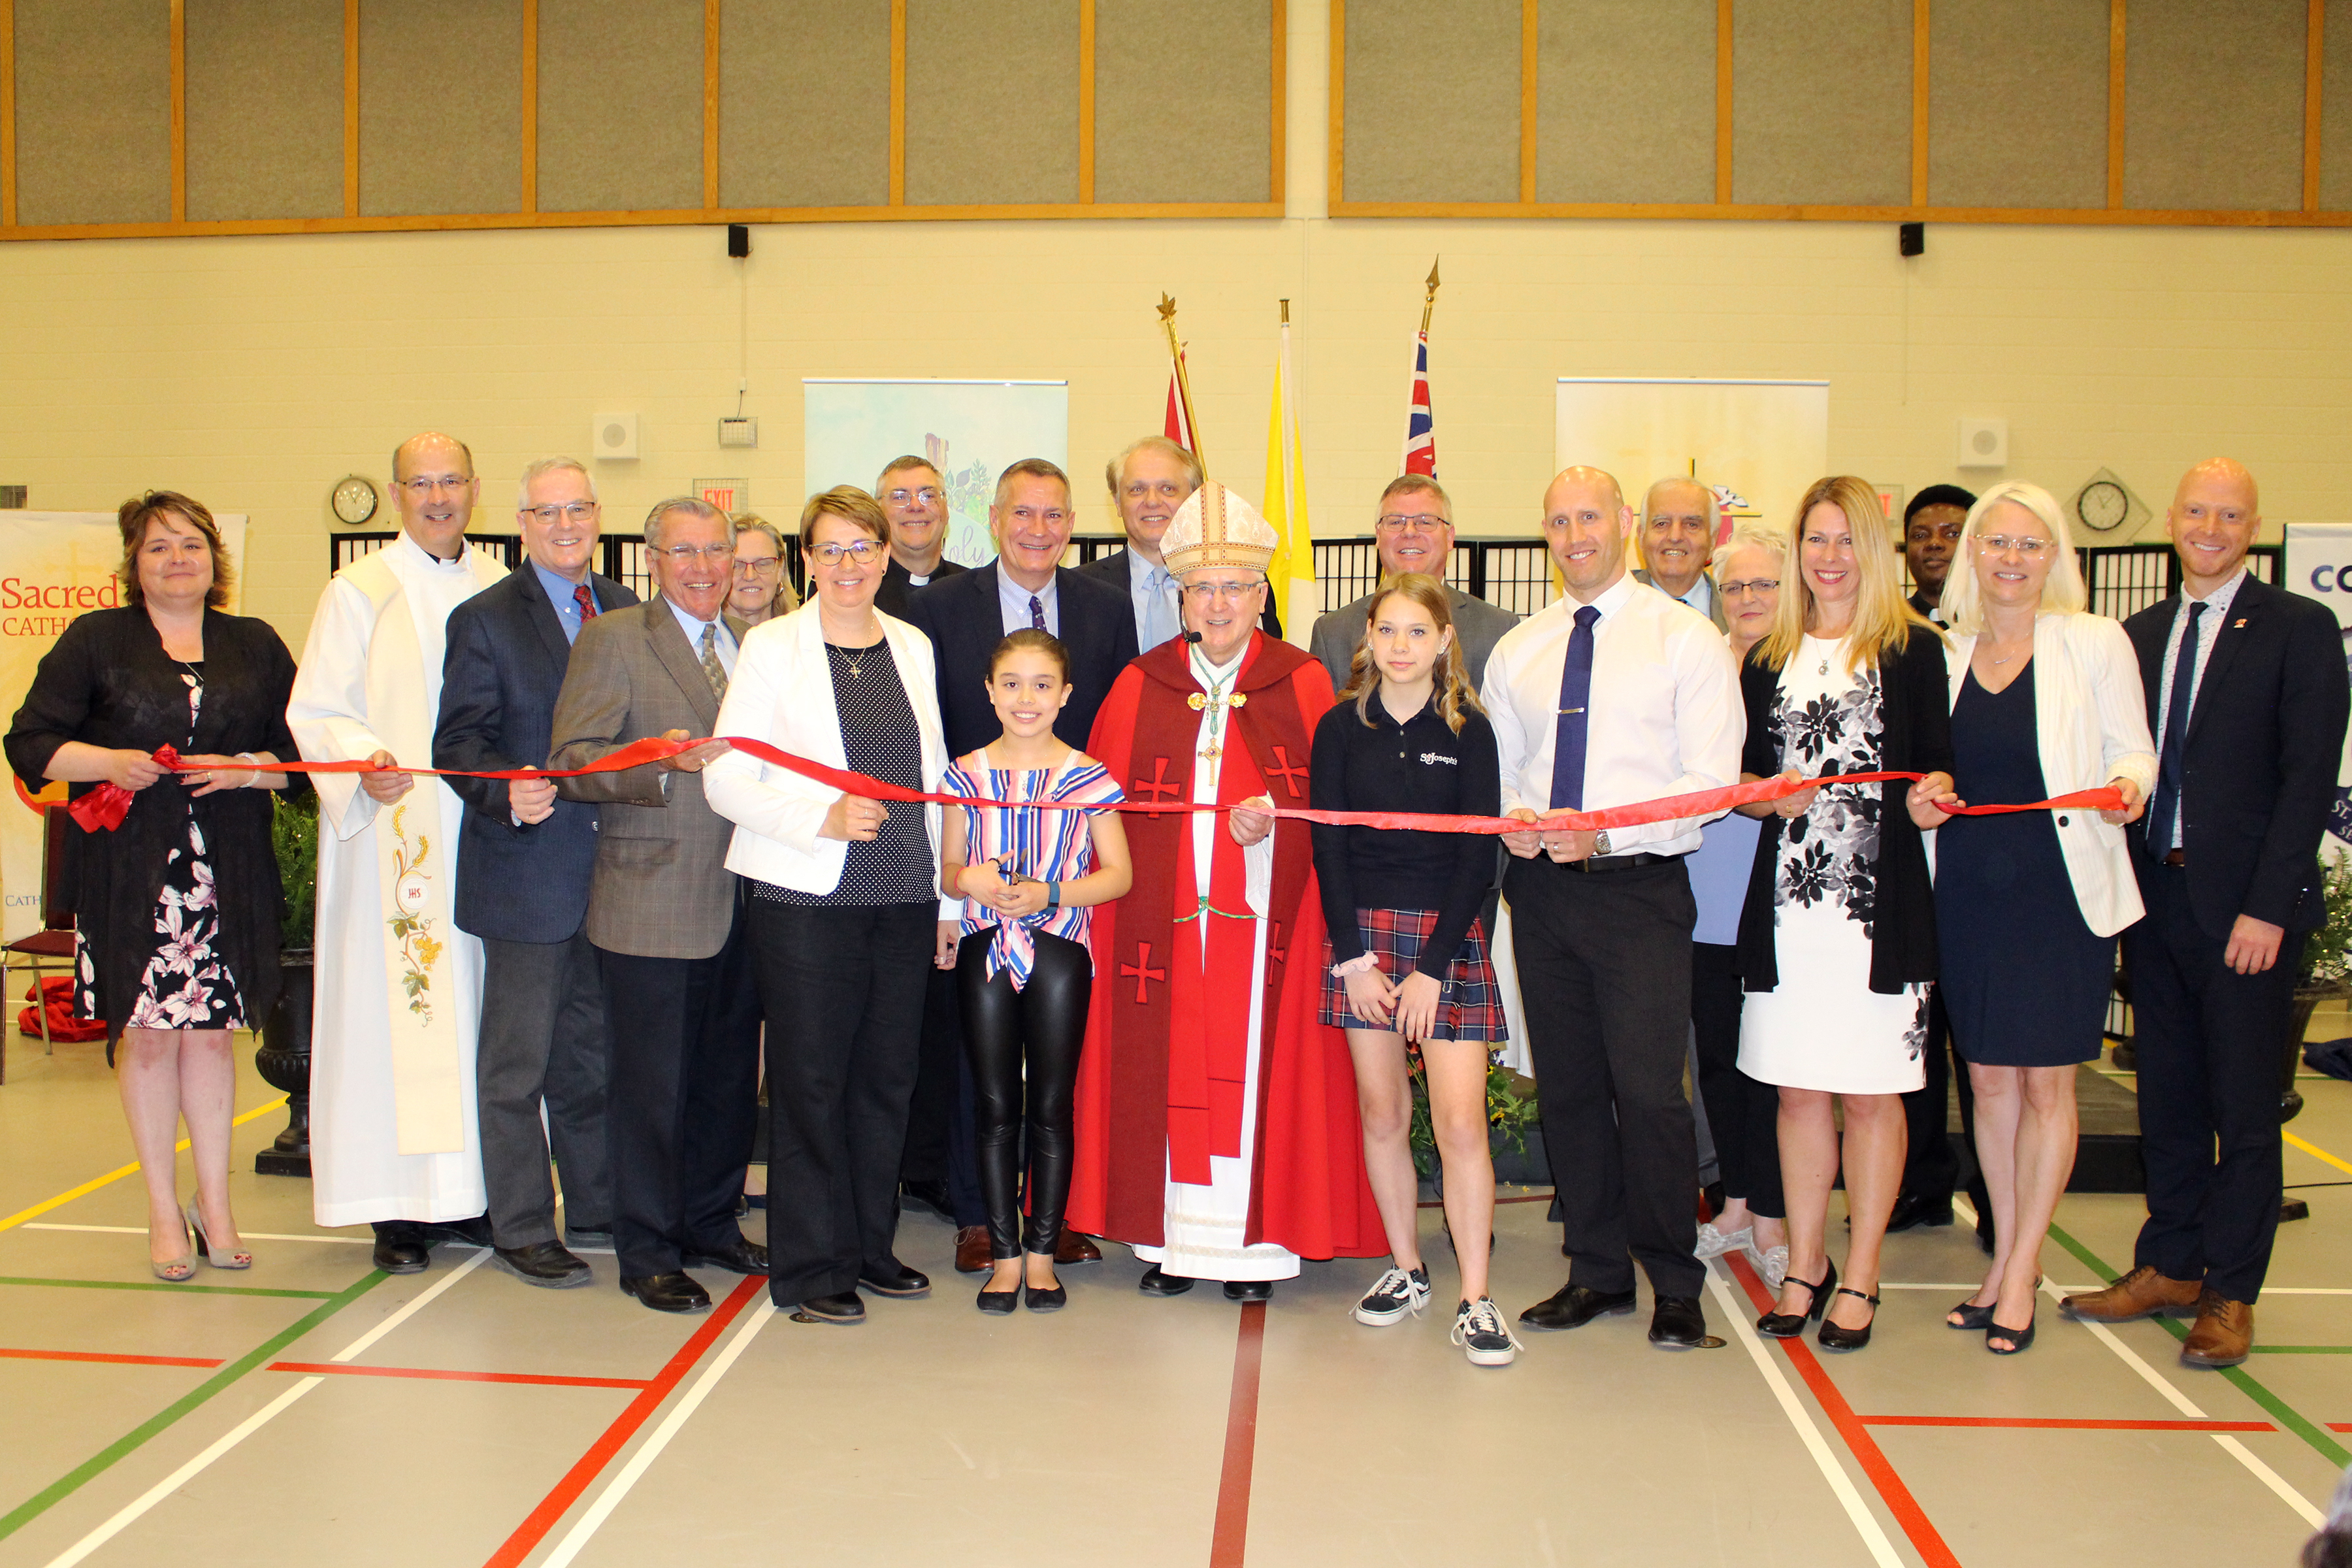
1568,711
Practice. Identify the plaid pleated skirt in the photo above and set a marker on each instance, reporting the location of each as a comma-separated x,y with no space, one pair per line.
1471,1005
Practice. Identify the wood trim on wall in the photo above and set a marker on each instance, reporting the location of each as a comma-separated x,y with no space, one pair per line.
1279,154
530,106
1790,213
1087,101
2315,77
709,102
2116,39
1528,35
897,103
1919,69
179,112
350,109
8,113
1723,98
1337,174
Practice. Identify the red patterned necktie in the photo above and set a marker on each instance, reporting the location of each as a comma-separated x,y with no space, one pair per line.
586,601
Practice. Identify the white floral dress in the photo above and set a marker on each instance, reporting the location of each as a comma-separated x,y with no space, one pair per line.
185,985
1822,1027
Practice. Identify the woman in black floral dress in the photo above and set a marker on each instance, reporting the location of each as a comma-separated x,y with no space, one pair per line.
178,908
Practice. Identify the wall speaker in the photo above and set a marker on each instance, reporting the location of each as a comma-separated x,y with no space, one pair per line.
739,240
1984,444
1911,239
614,435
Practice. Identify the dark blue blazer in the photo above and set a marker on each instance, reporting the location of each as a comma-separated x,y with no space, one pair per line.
964,621
505,664
2258,764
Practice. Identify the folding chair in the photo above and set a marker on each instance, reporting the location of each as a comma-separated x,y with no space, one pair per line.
51,947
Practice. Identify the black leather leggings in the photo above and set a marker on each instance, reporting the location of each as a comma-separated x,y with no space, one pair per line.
1044,1023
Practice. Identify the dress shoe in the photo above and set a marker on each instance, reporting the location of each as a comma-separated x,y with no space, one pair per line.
1837,1337
1051,1300
972,1256
1076,1248
1777,1324
1676,1324
576,1237
402,1250
897,1279
1574,1306
1913,1210
843,1309
543,1263
668,1292
742,1256
931,1195
1249,1289
2142,1293
1156,1281
2223,1334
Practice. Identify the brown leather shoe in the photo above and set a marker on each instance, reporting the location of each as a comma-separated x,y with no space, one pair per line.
972,1250
2223,1334
1074,1247
2142,1293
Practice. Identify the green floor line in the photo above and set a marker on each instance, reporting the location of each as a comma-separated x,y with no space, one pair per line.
2278,1409
65,1485
181,1289
2302,1350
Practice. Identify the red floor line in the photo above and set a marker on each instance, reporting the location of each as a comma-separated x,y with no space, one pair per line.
556,1503
1229,1541
441,1374
2065,1423
113,1360
1858,1441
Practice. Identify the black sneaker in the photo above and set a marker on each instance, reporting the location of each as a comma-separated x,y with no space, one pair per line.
1485,1338
1392,1295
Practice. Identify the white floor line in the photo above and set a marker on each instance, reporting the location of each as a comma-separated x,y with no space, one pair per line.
2273,1479
1735,1310
589,1523
242,1236
130,1512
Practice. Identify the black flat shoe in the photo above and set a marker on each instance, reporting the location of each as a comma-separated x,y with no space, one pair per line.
999,1303
743,1256
2020,1339
1573,1306
1835,1337
897,1280
1676,1324
844,1307
668,1292
544,1264
1249,1289
1778,1325
1157,1283
1048,1301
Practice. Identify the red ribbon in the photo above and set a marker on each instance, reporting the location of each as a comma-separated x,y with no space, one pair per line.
105,806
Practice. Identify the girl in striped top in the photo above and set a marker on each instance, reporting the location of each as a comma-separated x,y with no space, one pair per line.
1027,878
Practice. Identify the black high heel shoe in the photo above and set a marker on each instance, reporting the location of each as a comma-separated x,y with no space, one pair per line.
1789,1325
1835,1337
1975,1319
2020,1339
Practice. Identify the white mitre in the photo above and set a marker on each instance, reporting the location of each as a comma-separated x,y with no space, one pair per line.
1215,527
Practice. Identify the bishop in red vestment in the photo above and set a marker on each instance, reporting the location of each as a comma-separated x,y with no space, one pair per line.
1216,1117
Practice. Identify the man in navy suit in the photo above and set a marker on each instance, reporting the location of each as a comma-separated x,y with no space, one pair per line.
524,860
2246,693
966,616
1147,482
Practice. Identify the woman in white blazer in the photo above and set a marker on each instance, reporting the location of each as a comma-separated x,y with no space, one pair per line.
843,907
2046,700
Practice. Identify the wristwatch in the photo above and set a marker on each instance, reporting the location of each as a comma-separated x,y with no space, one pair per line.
1601,843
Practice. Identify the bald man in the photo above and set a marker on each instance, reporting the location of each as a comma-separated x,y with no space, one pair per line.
2246,691
1679,518
1609,695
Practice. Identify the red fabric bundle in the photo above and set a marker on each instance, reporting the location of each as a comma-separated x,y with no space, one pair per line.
55,996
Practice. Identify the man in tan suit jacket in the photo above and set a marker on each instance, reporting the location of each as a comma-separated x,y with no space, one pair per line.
665,914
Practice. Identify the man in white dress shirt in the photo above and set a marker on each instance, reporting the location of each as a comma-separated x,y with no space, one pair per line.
394,1135
1611,695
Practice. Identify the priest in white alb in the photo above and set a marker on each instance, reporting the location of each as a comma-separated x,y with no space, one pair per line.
1216,1125
393,1140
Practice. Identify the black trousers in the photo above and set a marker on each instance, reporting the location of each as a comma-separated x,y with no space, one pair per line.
1024,1045
1743,1115
1604,964
685,1099
544,1039
939,1120
2208,1041
844,989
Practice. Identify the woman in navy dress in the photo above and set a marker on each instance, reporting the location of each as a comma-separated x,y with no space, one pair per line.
2046,701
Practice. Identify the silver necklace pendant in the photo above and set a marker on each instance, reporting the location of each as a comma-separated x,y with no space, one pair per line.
1825,669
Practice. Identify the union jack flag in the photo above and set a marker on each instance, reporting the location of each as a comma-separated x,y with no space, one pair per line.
1179,428
1420,424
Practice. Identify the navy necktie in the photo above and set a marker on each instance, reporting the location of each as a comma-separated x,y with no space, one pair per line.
1036,613
2167,804
1571,729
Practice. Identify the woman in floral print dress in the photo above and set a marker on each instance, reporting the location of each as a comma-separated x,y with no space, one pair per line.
1837,942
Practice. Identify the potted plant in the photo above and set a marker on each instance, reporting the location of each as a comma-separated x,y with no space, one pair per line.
283,1058
2324,973
1514,1131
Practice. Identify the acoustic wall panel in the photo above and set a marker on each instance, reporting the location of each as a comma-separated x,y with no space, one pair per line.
1822,102
93,112
440,107
789,137
1183,101
2336,114
2214,104
1625,100
2017,103
1432,110
620,105
992,101
265,88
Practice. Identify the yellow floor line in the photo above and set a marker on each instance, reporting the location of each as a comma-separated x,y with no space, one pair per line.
46,1205
2316,1152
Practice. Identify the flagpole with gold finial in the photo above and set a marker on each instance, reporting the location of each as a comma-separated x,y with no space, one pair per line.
1183,381
1429,303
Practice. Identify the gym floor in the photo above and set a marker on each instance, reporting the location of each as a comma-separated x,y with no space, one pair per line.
312,1410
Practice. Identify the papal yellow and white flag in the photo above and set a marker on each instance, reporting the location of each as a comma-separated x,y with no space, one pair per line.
1290,575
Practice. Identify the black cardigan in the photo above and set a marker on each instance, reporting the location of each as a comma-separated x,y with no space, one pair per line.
108,682
1915,736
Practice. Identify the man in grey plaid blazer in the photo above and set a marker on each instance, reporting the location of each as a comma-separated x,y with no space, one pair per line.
666,914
